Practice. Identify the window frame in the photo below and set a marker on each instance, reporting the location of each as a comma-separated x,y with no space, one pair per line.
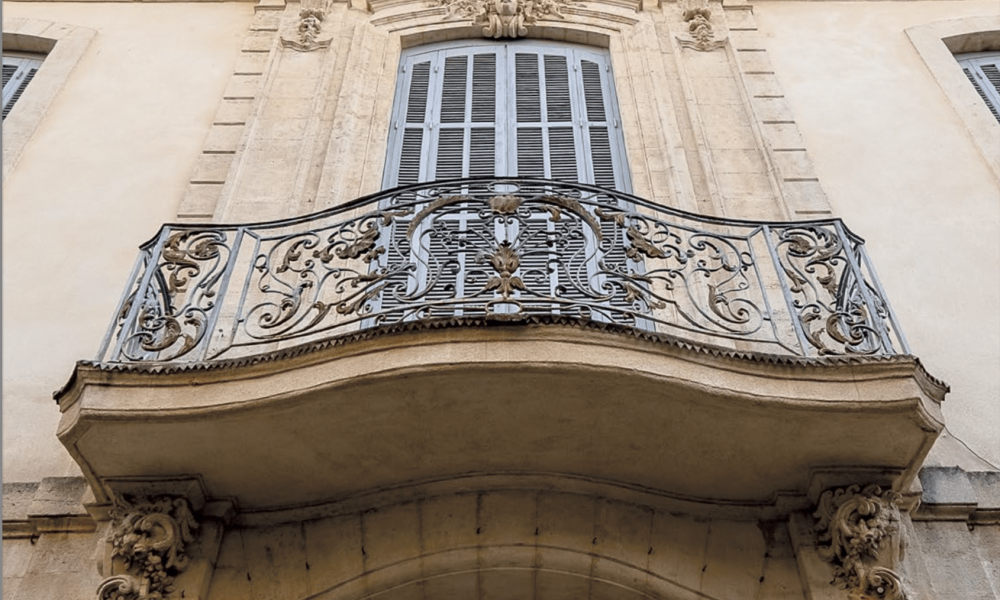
938,44
63,46
25,65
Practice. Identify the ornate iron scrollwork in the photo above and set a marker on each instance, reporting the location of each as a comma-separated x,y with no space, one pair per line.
506,249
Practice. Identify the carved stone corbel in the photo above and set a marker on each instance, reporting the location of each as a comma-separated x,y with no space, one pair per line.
307,33
503,18
859,533
701,33
148,540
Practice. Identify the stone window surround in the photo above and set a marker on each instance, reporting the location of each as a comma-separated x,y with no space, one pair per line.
938,43
63,46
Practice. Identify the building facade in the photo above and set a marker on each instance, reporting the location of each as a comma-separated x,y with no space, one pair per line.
469,299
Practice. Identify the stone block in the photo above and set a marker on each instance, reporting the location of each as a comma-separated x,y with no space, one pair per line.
276,561
459,586
946,485
793,164
449,522
953,560
678,544
294,87
507,517
242,87
737,161
734,560
200,200
233,112
763,85
391,534
211,168
785,136
266,21
706,64
741,19
716,90
223,138
755,62
565,520
258,41
806,199
772,110
333,551
561,586
59,496
744,40
250,63
17,497
622,531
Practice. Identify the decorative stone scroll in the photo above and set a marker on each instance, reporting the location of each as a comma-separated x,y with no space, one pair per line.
861,527
503,18
148,539
308,33
701,34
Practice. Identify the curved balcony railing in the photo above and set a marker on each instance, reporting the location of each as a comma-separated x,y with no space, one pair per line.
504,249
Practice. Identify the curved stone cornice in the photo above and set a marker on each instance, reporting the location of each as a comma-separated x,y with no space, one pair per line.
412,405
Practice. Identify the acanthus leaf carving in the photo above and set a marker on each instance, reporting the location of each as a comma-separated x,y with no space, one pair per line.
862,530
149,539
503,18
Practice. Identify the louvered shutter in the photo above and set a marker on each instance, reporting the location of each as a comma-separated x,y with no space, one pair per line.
18,72
519,109
983,71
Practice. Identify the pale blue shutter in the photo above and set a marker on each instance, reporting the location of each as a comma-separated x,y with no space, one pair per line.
983,71
519,109
18,72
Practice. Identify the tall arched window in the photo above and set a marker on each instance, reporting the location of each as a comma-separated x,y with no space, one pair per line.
522,109
527,109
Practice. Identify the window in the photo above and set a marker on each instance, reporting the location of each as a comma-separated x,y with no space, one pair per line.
516,109
983,70
529,110
18,71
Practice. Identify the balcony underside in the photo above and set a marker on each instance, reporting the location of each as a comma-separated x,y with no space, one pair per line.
325,423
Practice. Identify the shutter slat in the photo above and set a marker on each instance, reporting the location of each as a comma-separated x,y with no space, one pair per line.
530,152
453,89
562,154
592,91
482,152
416,103
450,154
557,101
17,93
601,157
409,159
982,93
527,87
484,88
8,72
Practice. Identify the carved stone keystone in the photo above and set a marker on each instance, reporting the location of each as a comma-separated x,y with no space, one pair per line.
701,34
859,534
503,18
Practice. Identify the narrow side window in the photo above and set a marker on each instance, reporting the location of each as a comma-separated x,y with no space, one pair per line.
18,71
983,71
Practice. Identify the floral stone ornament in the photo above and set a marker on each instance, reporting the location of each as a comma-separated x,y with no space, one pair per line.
148,539
861,528
503,18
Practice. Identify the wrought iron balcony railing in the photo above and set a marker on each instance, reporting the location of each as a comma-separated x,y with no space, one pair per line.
504,249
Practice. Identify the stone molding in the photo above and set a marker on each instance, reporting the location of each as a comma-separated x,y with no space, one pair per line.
859,533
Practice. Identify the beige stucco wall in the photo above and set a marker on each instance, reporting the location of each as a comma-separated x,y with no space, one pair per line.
901,169
106,167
